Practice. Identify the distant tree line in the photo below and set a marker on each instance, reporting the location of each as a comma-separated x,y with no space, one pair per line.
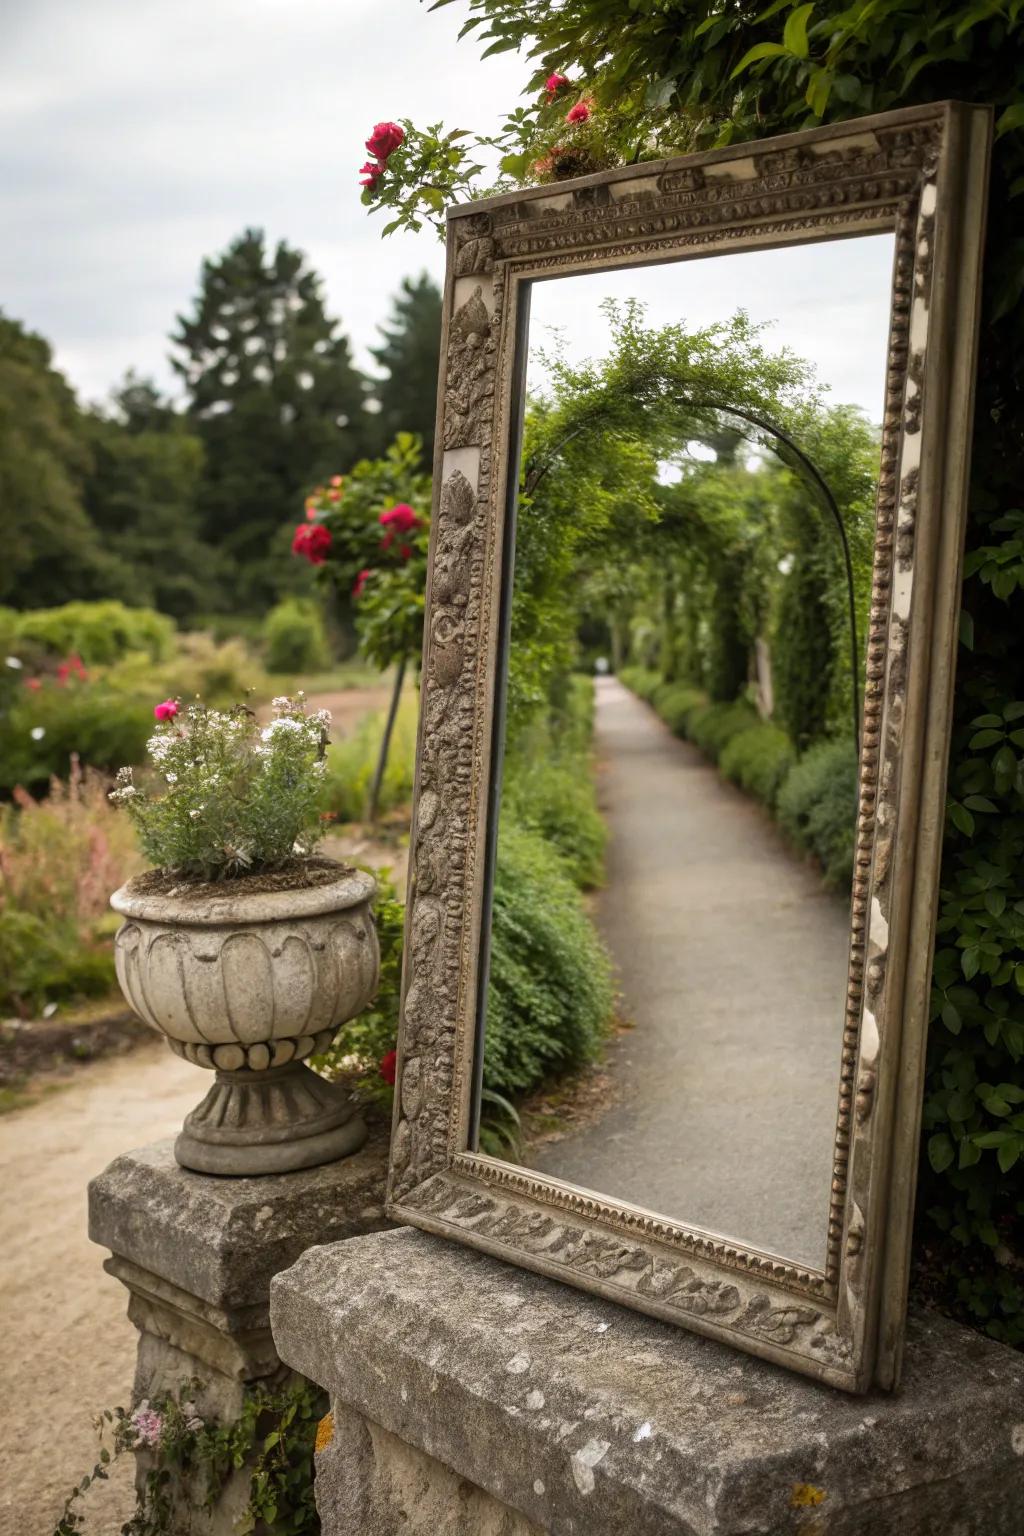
189,506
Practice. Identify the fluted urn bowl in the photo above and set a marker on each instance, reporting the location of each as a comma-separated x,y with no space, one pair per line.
250,982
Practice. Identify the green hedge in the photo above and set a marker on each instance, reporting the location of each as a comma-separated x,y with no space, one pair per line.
550,994
100,633
677,703
758,759
43,728
712,726
294,637
642,681
817,808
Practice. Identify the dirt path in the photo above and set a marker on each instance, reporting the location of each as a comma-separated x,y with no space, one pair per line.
67,1349
732,963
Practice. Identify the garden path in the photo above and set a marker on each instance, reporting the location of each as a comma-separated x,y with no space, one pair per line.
67,1349
731,961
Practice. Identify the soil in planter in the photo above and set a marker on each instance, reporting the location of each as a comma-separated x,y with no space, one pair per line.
297,875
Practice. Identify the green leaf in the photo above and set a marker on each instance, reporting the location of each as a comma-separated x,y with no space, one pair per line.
951,1019
1014,710
1012,118
985,739
755,54
794,35
966,620
970,962
1007,1155
940,1152
961,819
980,803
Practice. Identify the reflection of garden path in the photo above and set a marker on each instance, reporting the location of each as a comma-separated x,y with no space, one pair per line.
732,965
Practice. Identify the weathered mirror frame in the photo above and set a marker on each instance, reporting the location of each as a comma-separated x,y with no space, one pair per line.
922,174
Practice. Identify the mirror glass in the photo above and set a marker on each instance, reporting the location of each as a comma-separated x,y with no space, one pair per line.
676,755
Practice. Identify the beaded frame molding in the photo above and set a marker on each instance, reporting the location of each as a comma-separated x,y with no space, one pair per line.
920,173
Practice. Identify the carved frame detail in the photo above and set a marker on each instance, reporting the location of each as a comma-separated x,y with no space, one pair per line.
920,173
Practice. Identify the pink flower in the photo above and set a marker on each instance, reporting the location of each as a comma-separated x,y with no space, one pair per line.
389,1067
312,541
555,83
360,583
399,519
579,113
333,495
147,1424
167,710
337,481
370,174
35,683
385,138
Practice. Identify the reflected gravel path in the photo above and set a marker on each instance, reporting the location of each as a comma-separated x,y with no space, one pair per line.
732,964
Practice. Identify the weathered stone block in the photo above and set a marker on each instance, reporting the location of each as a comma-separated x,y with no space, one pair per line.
197,1254
467,1390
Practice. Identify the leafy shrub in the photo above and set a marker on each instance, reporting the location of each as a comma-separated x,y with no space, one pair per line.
556,798
352,760
550,993
368,1038
218,673
676,702
817,805
712,726
758,760
59,860
47,727
239,798
294,636
641,680
98,632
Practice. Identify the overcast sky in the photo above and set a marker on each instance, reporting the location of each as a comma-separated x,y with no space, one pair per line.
137,136
829,303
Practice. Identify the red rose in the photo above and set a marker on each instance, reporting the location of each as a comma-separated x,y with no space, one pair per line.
384,139
167,710
405,550
400,519
555,83
370,174
389,1067
360,583
578,114
312,541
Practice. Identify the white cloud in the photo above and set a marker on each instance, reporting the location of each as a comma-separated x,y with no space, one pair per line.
138,139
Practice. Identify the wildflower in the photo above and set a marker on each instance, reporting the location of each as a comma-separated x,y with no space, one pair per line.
555,83
337,481
384,140
194,815
172,778
14,662
167,710
35,683
147,1424
579,113
37,732
360,583
312,541
388,1067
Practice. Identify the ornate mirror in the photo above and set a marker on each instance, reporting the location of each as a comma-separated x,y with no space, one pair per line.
690,635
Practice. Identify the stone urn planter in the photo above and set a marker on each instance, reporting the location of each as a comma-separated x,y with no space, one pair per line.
250,982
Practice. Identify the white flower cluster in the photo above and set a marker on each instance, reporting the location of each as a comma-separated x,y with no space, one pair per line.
125,790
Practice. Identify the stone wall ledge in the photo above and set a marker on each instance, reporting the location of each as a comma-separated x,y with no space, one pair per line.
581,1418
221,1239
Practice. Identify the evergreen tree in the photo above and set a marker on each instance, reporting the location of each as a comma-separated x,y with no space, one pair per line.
51,550
143,490
410,356
273,395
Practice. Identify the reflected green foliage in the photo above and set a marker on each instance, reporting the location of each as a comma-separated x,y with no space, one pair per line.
758,760
550,992
817,808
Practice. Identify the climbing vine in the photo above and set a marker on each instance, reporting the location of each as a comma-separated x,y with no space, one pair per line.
190,1460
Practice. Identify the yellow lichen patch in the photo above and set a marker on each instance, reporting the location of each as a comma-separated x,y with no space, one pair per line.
806,1496
324,1433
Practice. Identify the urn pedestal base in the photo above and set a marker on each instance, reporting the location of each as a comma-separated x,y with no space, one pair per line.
272,1121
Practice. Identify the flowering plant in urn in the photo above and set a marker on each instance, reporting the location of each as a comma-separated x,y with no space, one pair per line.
242,945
